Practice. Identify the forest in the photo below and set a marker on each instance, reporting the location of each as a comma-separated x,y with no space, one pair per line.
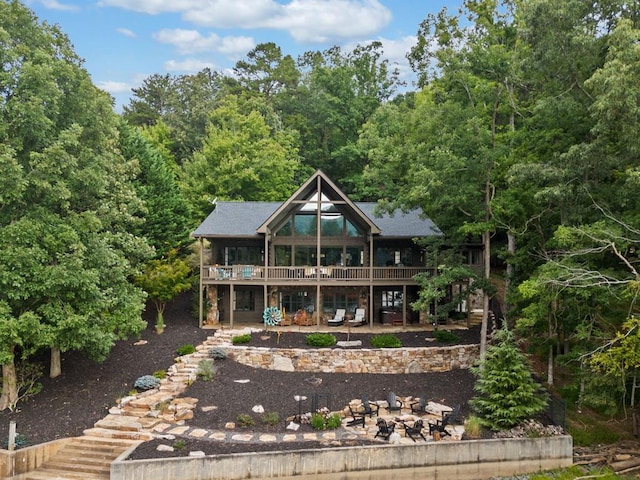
521,133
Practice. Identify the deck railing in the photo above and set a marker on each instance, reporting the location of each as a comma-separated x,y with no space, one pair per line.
222,274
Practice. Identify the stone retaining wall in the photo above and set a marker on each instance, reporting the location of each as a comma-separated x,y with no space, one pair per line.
358,360
467,460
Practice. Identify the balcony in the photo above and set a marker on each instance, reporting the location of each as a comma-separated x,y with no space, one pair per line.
253,274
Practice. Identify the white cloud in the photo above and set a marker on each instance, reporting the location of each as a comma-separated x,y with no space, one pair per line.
114,87
189,65
55,5
327,20
304,20
126,32
191,41
152,7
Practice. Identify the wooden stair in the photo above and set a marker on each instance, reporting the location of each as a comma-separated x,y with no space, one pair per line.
84,458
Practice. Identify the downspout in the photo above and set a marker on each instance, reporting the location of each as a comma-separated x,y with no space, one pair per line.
201,293
318,246
265,264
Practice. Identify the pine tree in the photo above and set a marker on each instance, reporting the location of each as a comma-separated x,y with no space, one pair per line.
508,394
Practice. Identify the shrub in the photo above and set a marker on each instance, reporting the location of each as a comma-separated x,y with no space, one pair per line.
179,444
446,336
28,384
239,339
321,339
206,370
472,427
218,353
324,421
334,421
243,420
185,349
146,382
160,374
318,421
385,340
270,418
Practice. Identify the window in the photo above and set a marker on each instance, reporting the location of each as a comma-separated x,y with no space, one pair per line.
347,300
392,298
305,225
292,302
283,255
244,301
241,256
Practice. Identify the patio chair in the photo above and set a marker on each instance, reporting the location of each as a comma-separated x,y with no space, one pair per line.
357,418
393,404
385,429
338,319
358,319
415,430
448,418
419,407
369,408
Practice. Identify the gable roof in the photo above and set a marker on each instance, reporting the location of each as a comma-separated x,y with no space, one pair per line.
243,219
319,184
252,219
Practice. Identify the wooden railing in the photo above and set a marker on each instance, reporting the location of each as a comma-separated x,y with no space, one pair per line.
222,274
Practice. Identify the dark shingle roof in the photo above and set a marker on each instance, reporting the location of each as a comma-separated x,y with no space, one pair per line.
241,219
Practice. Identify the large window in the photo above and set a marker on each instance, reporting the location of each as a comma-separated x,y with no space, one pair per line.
392,298
332,301
292,302
240,256
244,301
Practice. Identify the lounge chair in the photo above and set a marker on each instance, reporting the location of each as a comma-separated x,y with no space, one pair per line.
369,408
419,407
448,418
393,404
415,430
338,319
384,429
357,418
358,319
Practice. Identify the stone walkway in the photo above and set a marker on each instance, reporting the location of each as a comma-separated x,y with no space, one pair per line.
162,413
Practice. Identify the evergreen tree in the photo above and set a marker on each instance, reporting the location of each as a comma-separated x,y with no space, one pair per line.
508,394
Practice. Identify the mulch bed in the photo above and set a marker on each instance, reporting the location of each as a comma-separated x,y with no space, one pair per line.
86,390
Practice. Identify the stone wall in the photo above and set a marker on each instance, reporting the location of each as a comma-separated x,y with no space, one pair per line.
468,460
358,360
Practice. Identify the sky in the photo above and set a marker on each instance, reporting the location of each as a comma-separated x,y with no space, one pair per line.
125,41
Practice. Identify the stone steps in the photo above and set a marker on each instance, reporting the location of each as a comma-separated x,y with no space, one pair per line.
86,458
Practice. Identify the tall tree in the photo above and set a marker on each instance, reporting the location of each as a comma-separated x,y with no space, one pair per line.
167,217
338,93
266,71
182,102
64,224
247,156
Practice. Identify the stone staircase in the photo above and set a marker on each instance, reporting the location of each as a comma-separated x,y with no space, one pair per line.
135,419
84,458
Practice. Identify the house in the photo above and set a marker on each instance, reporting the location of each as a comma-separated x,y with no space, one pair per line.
310,256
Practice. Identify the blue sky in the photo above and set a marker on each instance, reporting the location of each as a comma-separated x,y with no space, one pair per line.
125,41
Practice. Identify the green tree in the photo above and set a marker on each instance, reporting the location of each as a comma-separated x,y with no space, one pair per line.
507,393
163,279
337,94
247,156
181,102
266,71
167,220
65,223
